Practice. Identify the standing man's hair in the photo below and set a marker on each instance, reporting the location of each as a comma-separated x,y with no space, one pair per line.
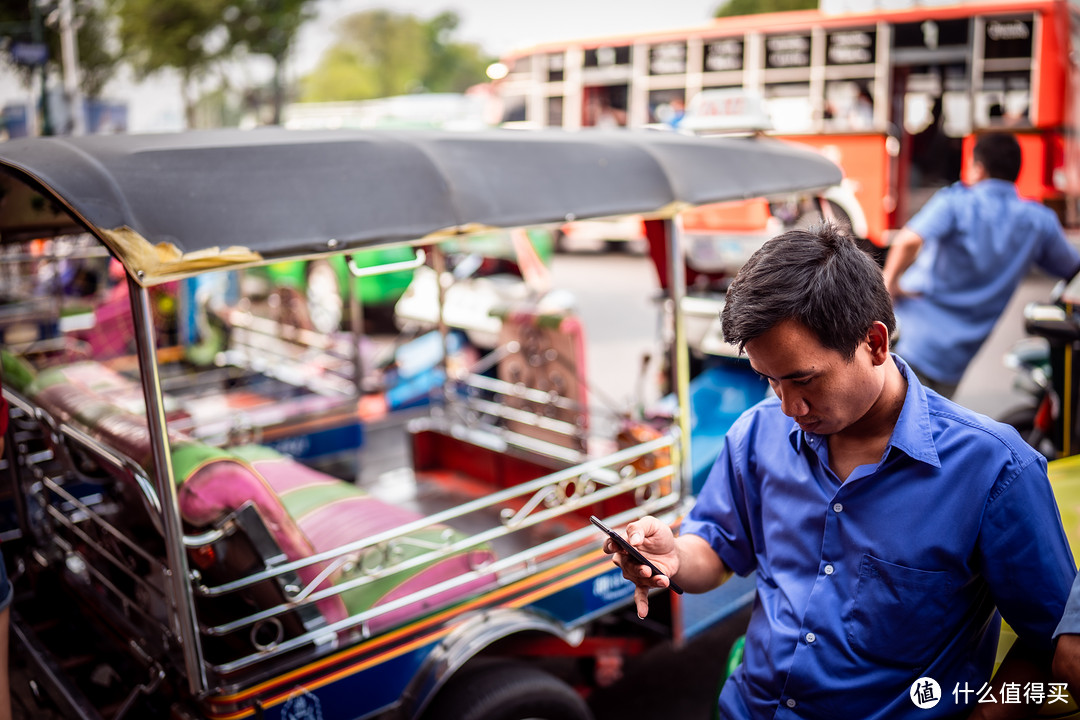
818,277
1000,154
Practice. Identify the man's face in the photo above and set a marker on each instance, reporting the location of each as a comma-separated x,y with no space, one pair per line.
818,387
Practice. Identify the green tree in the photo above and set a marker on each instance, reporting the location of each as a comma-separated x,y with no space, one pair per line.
752,7
379,53
268,27
186,35
453,66
97,62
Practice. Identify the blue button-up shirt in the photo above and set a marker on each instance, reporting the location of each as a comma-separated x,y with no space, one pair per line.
867,585
979,242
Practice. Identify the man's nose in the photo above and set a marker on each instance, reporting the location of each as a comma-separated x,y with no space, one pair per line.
792,403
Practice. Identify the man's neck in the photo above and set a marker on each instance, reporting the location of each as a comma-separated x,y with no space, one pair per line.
864,441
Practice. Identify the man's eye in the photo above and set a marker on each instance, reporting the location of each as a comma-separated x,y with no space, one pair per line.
803,382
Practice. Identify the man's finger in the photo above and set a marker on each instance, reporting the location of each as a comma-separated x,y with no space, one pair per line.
641,599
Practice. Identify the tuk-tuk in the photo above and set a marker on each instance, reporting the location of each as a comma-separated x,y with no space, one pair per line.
169,560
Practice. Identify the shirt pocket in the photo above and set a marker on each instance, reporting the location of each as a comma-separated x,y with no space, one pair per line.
898,612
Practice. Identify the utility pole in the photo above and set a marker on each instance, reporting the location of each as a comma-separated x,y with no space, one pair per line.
69,53
37,34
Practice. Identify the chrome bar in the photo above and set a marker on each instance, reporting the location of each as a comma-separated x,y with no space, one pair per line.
524,563
177,574
129,602
98,520
494,409
489,501
482,382
121,463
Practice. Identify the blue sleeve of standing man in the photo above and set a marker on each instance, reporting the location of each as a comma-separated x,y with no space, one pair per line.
936,220
1056,255
1070,621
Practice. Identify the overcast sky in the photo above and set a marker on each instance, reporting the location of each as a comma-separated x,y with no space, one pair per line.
502,25
497,26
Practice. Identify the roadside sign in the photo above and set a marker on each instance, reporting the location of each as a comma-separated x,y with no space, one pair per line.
29,53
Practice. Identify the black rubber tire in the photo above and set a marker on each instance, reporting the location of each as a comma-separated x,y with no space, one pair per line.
507,691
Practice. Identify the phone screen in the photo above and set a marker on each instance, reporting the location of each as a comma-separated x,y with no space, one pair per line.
633,552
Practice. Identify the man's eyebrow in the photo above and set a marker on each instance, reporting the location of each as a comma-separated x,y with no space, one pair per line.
789,376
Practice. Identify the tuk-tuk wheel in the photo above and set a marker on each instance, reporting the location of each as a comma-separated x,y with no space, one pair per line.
507,691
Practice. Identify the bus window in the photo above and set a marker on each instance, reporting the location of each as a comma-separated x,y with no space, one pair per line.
667,106
555,111
556,64
789,106
1003,100
849,105
605,106
513,109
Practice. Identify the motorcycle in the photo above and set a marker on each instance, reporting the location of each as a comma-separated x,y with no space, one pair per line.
1047,376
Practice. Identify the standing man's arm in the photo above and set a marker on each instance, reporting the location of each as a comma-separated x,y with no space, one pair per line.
903,250
1029,567
1067,652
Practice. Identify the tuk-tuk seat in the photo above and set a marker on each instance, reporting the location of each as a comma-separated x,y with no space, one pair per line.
306,512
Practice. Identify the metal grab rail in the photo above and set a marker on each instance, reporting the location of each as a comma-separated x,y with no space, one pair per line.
360,272
490,501
509,569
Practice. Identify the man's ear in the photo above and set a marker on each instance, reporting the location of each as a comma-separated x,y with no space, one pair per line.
877,339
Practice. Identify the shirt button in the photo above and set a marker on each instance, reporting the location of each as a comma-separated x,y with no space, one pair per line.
838,508
790,702
810,637
829,569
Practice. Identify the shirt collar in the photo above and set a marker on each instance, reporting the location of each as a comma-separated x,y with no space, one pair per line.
911,435
997,185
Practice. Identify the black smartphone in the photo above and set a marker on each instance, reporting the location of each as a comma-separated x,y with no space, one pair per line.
633,552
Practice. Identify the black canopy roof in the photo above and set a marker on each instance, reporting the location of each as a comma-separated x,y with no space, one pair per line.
172,204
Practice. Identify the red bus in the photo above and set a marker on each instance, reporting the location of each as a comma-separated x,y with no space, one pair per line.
895,96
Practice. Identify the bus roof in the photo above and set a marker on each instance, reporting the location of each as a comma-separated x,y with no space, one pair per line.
794,20
171,205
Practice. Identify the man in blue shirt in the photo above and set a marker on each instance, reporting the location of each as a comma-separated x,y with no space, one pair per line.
886,525
952,269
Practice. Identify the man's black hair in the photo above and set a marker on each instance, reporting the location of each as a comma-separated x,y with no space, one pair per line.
999,153
818,277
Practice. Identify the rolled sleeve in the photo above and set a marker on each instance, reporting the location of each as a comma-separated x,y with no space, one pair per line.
1027,560
1070,620
720,514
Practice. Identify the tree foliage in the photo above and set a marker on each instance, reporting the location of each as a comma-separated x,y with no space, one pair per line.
185,35
733,8
97,61
268,27
192,36
380,53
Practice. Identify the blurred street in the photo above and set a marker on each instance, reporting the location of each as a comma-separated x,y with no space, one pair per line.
613,293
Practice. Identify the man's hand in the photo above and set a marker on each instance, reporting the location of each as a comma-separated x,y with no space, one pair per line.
1067,661
654,540
903,249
